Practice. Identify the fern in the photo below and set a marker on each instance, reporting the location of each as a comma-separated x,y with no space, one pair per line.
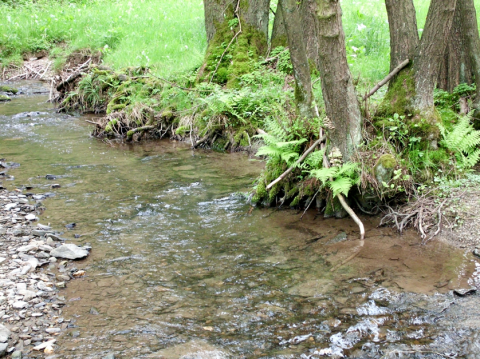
338,179
463,141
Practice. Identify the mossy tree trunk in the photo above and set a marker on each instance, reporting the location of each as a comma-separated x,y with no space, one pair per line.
428,59
472,40
341,103
411,91
456,66
279,34
298,55
237,32
461,62
404,38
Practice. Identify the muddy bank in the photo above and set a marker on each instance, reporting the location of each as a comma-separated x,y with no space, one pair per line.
35,264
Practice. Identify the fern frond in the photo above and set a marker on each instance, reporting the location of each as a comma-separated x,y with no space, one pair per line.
291,143
324,174
289,157
315,159
271,151
348,169
341,185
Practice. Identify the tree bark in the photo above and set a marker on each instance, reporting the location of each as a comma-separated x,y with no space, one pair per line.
237,33
404,38
429,56
279,34
341,103
310,30
298,56
253,13
472,39
456,66
309,23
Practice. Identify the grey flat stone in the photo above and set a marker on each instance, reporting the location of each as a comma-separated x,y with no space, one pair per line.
4,333
69,251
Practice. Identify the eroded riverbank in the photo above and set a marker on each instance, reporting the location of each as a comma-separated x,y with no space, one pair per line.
181,268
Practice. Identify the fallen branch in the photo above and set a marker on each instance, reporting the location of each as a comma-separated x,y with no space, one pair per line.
386,79
73,76
32,70
300,160
138,129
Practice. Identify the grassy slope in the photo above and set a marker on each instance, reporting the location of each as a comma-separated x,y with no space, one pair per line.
167,35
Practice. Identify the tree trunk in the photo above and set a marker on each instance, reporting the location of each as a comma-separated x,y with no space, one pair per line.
310,31
411,91
456,66
279,34
253,13
429,56
403,32
298,56
472,41
237,32
341,101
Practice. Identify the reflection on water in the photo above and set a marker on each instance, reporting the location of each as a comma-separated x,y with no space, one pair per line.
180,266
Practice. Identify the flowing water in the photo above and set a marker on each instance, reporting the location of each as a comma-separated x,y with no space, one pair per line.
181,268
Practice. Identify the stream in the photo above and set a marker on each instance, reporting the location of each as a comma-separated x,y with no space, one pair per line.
181,268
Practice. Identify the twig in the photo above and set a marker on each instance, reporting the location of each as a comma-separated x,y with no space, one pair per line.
32,70
138,129
300,160
46,69
73,76
18,76
386,79
273,57
306,209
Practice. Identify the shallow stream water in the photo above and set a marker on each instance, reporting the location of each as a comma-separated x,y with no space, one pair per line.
181,268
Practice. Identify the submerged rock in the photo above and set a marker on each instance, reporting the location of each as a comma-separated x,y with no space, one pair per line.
4,333
69,251
313,288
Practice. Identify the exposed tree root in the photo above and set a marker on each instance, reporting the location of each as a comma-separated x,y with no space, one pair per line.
425,214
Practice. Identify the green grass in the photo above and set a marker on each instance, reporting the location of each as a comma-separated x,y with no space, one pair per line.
166,35
169,35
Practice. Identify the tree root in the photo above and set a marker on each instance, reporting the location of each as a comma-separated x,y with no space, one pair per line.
424,214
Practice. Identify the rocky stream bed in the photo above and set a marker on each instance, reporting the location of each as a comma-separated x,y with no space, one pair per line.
181,268
35,264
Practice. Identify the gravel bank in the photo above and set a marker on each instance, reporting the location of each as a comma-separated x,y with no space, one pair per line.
35,264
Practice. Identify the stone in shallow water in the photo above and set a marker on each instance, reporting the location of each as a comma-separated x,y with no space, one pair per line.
313,288
3,348
69,251
4,333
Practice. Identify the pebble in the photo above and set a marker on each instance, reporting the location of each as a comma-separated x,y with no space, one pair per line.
29,302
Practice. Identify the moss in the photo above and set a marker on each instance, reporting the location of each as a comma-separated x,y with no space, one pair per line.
241,138
384,168
238,58
279,41
4,98
5,88
110,124
112,107
399,95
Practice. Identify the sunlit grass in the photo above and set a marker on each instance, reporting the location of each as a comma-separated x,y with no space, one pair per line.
169,35
166,35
